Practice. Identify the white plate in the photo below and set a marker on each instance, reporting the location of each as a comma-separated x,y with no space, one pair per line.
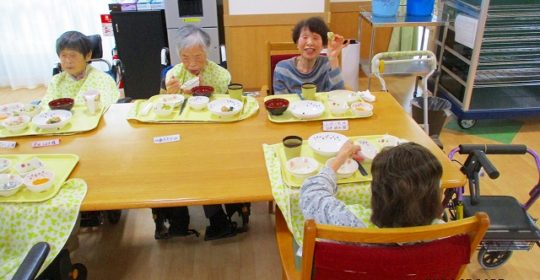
327,143
62,117
307,109
4,164
302,167
344,95
225,107
367,150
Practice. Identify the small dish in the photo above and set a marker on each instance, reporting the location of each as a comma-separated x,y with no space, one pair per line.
4,164
39,180
225,107
344,96
307,109
11,108
163,109
276,106
302,167
10,184
174,99
198,103
367,150
202,91
347,169
388,141
327,143
31,109
16,124
362,109
337,107
55,119
62,104
189,84
28,166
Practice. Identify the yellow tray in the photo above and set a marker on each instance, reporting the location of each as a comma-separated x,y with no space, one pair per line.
251,106
60,164
287,116
80,121
296,182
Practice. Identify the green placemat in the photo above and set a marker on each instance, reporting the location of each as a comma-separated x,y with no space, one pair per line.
287,116
80,121
502,131
251,106
25,224
60,164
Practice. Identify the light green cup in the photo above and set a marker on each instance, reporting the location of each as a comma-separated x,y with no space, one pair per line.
308,91
292,146
236,91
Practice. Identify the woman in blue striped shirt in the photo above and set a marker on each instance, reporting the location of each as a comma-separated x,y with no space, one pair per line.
311,36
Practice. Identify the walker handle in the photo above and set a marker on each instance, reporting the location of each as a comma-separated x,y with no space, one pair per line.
493,148
490,169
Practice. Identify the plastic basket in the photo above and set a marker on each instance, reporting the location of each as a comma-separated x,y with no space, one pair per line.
385,8
420,8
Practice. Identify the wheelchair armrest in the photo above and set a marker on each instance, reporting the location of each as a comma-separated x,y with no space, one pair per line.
32,262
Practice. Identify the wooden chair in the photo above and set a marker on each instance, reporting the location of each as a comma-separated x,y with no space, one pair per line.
444,255
276,52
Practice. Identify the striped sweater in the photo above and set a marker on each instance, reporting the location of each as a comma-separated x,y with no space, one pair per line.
287,79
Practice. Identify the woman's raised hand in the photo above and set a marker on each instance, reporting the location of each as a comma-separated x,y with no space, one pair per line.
335,45
348,150
172,85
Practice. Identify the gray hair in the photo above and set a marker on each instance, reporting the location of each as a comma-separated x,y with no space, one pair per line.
190,36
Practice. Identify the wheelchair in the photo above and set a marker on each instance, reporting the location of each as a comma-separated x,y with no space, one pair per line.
511,227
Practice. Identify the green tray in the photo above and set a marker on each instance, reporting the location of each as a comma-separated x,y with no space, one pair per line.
251,106
287,116
296,182
60,164
80,121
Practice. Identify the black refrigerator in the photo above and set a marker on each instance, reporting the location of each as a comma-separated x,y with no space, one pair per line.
140,36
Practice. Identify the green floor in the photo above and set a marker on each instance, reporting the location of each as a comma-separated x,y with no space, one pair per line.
502,131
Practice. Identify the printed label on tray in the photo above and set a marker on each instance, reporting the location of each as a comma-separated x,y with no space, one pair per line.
8,144
335,125
45,143
167,139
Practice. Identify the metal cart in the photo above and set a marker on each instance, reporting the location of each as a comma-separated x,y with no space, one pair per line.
499,77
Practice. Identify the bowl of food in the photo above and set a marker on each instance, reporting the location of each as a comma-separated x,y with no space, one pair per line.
302,167
276,106
51,120
327,144
62,104
162,108
198,103
225,107
11,109
338,107
10,184
367,151
347,169
28,166
174,99
344,96
31,109
362,109
389,141
202,91
307,109
16,124
39,180
4,165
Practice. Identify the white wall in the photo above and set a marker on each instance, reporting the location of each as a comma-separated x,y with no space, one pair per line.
250,7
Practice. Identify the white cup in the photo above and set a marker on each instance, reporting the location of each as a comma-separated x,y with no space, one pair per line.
92,101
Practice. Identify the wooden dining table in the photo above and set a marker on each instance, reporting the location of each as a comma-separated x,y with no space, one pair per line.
212,163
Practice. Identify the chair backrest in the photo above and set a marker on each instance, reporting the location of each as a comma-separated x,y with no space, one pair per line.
276,52
426,252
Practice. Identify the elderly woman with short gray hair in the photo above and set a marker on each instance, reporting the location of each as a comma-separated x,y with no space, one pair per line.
192,46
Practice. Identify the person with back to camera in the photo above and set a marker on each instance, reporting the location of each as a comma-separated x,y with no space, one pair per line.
311,36
193,43
405,190
75,51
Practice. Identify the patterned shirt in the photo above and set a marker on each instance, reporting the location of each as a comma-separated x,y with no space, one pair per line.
318,201
211,75
287,79
64,85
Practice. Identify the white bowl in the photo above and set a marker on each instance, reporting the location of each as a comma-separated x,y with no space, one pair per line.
307,109
16,124
12,108
198,103
163,108
337,107
347,169
28,166
55,119
389,141
367,150
362,109
302,167
39,180
344,95
4,165
10,184
225,107
31,109
327,143
174,99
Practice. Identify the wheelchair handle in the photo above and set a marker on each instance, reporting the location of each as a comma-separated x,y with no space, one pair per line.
493,148
490,169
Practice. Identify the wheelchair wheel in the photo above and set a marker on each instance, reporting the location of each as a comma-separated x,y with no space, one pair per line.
78,272
493,259
466,124
113,216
